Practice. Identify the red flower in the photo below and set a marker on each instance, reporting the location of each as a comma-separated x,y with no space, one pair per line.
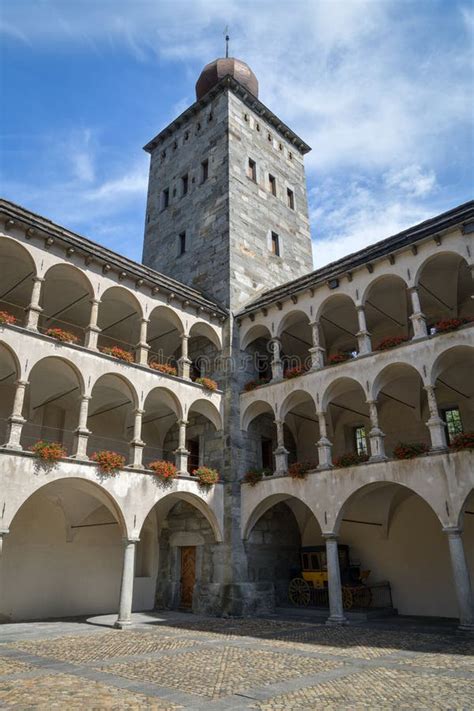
409,451
60,335
465,440
299,470
350,459
207,383
109,462
390,342
5,317
339,358
164,368
119,353
49,451
166,471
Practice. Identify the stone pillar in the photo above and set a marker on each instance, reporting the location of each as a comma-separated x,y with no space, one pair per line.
3,534
34,309
92,330
81,435
16,420
324,445
317,351
462,581
184,363
336,610
182,453
281,454
142,347
417,318
435,423
277,365
126,588
376,436
136,445
363,336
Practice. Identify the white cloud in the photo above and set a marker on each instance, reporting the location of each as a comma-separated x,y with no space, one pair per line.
411,180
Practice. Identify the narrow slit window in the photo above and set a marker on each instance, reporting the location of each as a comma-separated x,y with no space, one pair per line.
275,244
290,197
182,243
184,184
252,170
452,419
204,171
165,198
273,184
360,440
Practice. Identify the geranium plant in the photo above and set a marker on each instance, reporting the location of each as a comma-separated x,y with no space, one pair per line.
299,470
464,440
61,335
166,471
409,451
294,372
349,459
108,462
49,451
390,342
207,383
450,324
206,475
252,384
254,475
336,358
119,353
164,368
5,317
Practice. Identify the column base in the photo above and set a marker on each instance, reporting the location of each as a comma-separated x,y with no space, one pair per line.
466,628
122,624
336,621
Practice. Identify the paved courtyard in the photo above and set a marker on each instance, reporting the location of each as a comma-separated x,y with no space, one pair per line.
178,661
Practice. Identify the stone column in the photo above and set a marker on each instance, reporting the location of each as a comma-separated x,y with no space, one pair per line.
92,330
336,610
137,445
317,351
142,347
462,581
182,453
281,454
417,318
81,435
184,363
324,445
277,365
376,436
363,336
435,423
16,420
126,588
3,534
34,309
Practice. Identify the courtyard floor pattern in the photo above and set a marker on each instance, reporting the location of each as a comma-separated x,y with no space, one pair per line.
181,661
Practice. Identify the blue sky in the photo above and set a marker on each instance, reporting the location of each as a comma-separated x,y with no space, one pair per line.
381,90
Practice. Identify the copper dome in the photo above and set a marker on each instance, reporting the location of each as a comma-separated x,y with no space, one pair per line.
214,71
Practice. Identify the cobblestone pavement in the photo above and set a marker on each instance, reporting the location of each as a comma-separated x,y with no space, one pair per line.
179,661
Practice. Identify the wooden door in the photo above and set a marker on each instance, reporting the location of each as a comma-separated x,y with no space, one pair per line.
188,575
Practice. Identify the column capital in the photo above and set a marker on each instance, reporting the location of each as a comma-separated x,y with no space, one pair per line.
182,422
130,540
3,533
452,530
38,279
138,411
330,535
22,383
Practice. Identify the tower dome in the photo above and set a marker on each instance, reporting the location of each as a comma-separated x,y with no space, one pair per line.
214,71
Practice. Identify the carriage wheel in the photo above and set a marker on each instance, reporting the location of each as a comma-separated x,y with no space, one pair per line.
299,592
363,597
347,598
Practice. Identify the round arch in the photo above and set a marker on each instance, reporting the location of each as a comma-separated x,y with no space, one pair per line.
392,371
293,317
445,288
297,397
56,362
254,332
167,314
448,359
18,269
338,387
382,278
15,362
259,407
167,398
119,318
65,299
164,505
267,502
462,510
201,328
208,410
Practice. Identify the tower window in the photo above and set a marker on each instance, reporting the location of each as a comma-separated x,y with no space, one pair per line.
182,243
165,198
290,197
186,135
273,184
360,440
184,184
290,155
252,170
269,136
452,418
204,170
257,126
275,244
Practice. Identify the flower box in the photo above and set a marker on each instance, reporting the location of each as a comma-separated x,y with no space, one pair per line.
350,459
207,383
464,440
450,324
119,353
49,451
108,462
294,372
339,358
252,384
7,318
299,470
253,476
206,476
164,368
410,451
61,335
166,471
390,342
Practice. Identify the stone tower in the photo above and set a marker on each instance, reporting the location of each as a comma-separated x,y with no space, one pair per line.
227,206
227,214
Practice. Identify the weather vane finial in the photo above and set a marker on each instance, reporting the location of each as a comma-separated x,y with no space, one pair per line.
227,38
